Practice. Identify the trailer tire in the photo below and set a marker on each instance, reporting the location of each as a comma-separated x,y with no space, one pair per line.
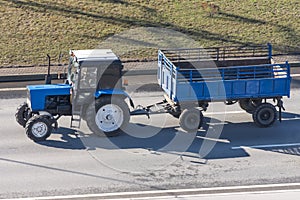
106,117
22,114
249,105
191,120
265,115
38,128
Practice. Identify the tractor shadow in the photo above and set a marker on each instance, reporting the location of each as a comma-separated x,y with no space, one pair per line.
64,138
216,140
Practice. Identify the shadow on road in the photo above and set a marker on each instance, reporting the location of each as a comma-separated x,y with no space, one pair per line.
68,140
231,144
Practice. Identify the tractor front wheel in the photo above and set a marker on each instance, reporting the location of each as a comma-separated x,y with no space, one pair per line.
38,128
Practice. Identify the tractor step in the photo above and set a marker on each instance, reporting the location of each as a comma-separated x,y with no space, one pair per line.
76,117
75,121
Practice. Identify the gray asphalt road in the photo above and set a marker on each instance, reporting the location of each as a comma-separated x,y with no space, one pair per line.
152,154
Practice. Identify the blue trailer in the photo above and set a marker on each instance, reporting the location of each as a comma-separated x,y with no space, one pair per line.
193,78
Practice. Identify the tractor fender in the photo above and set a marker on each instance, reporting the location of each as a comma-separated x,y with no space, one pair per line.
100,93
45,113
50,117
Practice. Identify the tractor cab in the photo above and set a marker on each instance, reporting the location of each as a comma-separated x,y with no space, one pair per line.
93,70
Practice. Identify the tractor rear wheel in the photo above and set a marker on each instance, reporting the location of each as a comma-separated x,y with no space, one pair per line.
107,116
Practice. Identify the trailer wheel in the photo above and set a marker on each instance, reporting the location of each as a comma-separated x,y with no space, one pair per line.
106,117
38,128
265,115
191,120
22,114
249,105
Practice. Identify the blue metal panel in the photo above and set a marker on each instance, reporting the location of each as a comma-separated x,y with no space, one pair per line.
205,91
252,87
110,92
38,94
239,87
280,85
228,88
213,90
200,89
266,86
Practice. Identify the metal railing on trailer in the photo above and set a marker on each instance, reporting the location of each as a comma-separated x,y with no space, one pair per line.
219,53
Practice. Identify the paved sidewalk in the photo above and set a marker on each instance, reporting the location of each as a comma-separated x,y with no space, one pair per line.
23,73
29,70
18,70
38,72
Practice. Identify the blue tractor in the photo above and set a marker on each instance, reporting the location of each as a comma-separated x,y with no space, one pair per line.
93,91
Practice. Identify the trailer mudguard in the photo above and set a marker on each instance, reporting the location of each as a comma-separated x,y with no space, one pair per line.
99,93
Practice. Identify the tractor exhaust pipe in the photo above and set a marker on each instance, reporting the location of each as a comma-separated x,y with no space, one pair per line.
48,76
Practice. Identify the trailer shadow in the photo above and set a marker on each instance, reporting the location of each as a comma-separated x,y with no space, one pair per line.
233,141
243,136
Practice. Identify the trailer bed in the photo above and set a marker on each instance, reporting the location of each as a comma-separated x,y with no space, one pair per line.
212,78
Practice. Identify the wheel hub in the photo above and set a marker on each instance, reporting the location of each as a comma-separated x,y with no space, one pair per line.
192,120
109,117
265,115
39,129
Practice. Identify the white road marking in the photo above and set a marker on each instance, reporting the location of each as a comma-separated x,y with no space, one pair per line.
225,112
266,146
287,119
176,193
214,139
